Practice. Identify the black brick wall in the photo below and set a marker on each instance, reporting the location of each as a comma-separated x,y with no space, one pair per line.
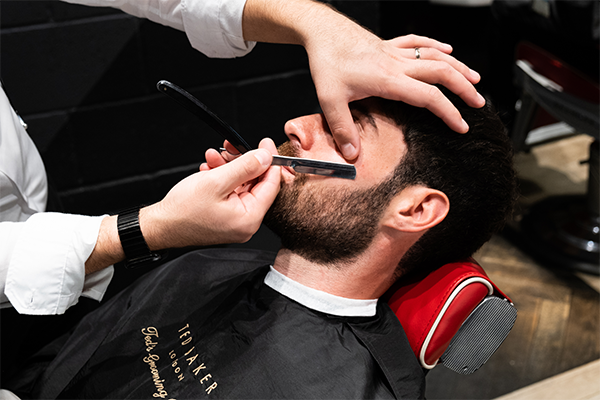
84,79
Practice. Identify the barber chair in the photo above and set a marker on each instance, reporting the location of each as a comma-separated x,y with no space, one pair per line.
561,230
454,315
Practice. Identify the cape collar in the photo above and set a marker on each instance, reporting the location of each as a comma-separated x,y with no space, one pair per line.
318,300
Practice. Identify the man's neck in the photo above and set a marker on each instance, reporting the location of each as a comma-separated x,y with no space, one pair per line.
366,277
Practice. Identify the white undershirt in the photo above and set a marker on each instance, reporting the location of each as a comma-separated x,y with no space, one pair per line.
318,300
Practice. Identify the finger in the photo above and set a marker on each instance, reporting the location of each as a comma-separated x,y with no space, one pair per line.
230,148
243,169
420,41
227,156
262,194
338,117
269,145
246,186
274,171
420,94
435,55
214,159
435,72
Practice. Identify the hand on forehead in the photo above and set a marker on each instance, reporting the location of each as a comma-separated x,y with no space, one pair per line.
382,141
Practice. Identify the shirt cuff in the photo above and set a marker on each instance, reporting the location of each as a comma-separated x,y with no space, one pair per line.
96,283
214,27
46,272
8,395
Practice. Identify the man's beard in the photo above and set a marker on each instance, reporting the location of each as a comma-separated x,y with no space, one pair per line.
327,224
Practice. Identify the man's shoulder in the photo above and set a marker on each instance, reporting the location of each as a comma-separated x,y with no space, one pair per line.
236,260
213,264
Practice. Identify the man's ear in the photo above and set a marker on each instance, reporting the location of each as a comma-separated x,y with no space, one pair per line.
416,209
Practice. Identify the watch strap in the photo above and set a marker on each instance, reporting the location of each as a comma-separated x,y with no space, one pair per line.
134,245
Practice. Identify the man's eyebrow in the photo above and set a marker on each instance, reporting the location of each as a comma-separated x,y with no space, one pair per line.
361,109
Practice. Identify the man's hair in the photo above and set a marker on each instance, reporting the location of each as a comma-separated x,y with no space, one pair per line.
474,170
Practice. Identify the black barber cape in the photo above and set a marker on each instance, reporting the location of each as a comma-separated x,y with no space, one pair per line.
206,326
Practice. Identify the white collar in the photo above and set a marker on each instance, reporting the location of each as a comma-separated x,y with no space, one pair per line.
319,300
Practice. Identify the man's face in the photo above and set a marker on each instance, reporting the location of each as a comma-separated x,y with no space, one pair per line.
330,219
382,145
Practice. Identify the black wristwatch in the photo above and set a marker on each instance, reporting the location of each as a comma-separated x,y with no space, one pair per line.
137,252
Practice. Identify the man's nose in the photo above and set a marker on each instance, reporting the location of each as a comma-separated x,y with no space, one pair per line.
305,130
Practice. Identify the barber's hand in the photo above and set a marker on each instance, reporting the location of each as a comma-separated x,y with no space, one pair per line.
357,64
215,159
207,207
349,63
203,209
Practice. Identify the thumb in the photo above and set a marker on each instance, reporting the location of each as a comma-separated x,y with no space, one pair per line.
243,169
342,128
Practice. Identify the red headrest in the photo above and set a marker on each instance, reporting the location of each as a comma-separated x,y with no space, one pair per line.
431,309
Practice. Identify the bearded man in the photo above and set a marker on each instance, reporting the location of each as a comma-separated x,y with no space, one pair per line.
237,324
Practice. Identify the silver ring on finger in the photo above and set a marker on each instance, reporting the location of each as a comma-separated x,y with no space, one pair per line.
417,53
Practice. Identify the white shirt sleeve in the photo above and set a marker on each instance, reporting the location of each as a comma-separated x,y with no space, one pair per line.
42,255
8,395
46,263
213,27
